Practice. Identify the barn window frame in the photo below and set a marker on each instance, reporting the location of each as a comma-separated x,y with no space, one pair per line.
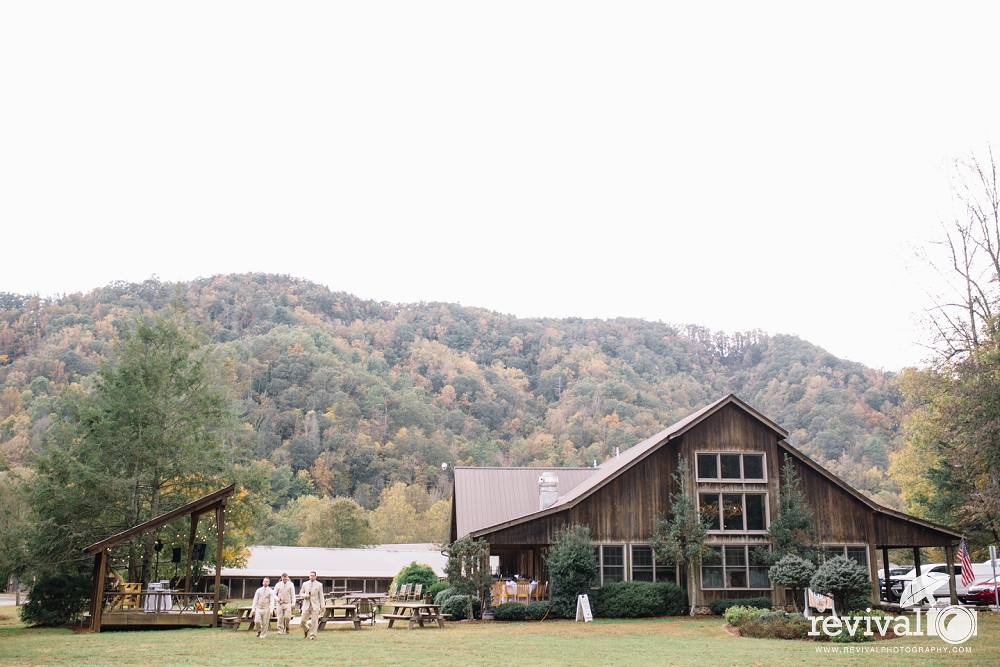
718,467
722,530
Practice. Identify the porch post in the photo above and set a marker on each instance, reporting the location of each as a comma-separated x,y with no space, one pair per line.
220,525
97,592
888,580
187,570
949,554
916,560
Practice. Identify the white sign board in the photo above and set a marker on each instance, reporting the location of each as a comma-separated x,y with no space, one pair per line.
583,609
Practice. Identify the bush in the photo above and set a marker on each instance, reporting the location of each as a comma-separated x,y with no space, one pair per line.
223,591
416,573
437,588
57,600
442,596
857,605
572,567
794,573
510,611
719,607
458,607
843,579
777,625
537,610
638,599
738,615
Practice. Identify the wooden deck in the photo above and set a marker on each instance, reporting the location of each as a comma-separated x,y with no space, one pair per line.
138,619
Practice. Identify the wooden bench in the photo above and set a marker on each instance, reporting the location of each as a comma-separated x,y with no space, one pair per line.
330,615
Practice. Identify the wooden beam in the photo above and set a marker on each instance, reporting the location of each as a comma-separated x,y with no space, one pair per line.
200,506
949,554
187,569
916,560
220,526
97,591
876,592
888,579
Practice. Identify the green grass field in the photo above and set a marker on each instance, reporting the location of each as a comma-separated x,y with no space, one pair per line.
701,642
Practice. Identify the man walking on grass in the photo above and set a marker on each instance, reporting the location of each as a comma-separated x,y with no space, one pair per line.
284,593
263,605
312,606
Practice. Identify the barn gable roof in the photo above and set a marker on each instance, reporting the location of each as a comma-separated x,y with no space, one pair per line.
607,471
615,466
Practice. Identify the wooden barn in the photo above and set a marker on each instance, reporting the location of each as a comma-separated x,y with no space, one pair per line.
734,455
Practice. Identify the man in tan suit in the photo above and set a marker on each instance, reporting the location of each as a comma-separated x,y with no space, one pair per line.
284,593
312,606
262,606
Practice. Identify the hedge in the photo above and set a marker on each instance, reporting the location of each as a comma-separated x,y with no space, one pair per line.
538,610
458,607
510,611
638,599
442,596
719,607
436,588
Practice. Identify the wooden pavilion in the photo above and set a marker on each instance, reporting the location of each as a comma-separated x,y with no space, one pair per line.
128,609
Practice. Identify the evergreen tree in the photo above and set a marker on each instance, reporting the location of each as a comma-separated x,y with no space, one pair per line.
680,540
792,531
145,439
572,567
468,569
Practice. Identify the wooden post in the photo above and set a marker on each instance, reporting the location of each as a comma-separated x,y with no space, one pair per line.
949,554
876,593
220,523
888,579
187,570
97,592
916,560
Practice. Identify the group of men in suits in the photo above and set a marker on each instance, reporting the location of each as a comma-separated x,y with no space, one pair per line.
283,598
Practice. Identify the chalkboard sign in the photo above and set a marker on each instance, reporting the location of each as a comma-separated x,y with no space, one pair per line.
583,609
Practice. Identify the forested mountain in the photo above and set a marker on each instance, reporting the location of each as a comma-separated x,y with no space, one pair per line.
351,397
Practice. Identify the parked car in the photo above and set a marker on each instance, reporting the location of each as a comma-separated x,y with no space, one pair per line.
894,572
983,592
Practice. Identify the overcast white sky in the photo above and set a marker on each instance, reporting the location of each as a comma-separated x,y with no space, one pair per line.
735,166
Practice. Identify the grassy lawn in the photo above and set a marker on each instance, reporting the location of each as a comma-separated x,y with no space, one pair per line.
676,641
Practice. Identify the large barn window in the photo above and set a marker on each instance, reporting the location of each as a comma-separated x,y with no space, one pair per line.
610,563
734,512
734,566
731,467
645,568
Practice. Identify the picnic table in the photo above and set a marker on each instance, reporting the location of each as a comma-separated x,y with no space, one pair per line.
349,612
415,612
245,615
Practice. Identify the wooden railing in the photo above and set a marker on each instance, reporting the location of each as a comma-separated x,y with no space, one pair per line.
162,602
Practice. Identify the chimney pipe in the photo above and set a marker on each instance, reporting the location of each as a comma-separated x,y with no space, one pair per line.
548,490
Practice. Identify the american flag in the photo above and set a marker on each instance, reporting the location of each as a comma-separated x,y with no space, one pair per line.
963,557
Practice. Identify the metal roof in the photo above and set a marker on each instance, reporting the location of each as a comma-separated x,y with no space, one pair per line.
384,561
488,496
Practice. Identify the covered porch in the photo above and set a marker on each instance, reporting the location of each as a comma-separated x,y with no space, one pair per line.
134,608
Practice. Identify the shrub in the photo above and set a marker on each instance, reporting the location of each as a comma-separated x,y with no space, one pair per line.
57,599
857,605
437,588
510,611
416,573
638,599
738,615
777,625
572,567
794,573
442,596
537,610
223,591
458,607
719,607
843,579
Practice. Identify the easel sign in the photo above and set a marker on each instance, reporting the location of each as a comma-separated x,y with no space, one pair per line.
583,612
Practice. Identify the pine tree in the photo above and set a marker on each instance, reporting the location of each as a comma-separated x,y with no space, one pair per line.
792,531
680,540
